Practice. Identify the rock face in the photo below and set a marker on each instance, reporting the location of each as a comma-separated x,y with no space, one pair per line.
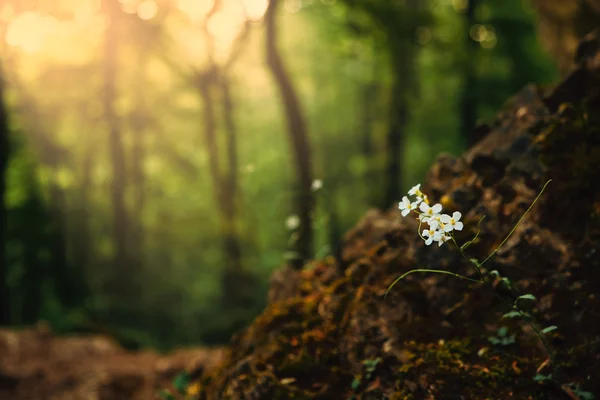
333,335
36,365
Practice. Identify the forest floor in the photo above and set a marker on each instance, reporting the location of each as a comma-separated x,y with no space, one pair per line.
37,365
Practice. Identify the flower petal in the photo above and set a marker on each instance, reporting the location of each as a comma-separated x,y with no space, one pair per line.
423,207
456,216
458,226
445,218
437,208
405,212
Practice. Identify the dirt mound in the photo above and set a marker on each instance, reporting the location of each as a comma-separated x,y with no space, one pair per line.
329,333
36,365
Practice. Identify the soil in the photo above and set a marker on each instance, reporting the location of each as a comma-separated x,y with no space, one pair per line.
37,365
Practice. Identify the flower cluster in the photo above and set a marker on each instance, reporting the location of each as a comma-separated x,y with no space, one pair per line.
440,225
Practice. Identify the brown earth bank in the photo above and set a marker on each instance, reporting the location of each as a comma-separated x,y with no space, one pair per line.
37,365
329,332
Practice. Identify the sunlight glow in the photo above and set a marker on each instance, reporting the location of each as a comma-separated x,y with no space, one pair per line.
226,25
195,9
29,31
255,9
147,9
6,12
292,6
86,11
129,6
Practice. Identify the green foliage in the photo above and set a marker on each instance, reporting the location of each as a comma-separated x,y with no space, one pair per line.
548,329
580,393
512,314
526,297
502,338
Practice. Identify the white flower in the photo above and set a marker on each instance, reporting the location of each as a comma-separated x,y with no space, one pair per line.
292,222
430,235
443,239
429,212
451,223
406,206
415,190
316,185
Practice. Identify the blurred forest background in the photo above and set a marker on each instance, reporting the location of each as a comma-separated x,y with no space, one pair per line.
160,158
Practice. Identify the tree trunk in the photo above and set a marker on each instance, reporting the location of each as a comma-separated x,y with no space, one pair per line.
232,240
298,138
367,109
4,154
81,240
138,154
121,283
469,95
403,57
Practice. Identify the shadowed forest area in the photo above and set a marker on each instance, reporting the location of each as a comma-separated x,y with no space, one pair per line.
162,158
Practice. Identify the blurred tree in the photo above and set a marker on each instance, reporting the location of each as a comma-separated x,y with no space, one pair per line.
397,22
123,282
296,126
563,23
138,121
213,84
4,155
81,242
470,88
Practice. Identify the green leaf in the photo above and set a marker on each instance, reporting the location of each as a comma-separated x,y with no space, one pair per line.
166,395
475,262
542,378
512,314
502,331
548,329
181,382
355,383
526,297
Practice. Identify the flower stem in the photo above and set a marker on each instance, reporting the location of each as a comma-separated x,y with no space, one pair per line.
518,223
437,271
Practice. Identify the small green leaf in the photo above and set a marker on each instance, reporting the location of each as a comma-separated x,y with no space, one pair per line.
475,262
355,383
548,329
166,395
495,273
502,331
512,314
542,378
526,297
181,382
